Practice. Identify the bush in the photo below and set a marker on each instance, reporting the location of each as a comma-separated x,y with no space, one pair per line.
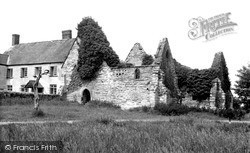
147,59
38,113
171,109
231,114
97,103
105,120
125,65
144,109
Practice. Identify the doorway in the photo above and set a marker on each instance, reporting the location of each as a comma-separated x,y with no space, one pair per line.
85,96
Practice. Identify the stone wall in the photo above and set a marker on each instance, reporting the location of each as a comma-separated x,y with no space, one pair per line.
3,71
70,63
211,101
217,90
164,58
118,85
188,101
136,55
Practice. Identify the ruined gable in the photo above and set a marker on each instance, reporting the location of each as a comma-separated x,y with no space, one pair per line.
164,58
136,54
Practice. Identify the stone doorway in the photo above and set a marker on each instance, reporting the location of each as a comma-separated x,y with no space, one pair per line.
85,96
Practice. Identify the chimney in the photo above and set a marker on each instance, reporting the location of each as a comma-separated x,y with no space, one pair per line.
15,39
66,34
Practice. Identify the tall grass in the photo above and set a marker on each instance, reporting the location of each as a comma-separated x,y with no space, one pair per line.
106,136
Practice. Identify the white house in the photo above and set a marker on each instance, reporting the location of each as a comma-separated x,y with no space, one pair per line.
21,62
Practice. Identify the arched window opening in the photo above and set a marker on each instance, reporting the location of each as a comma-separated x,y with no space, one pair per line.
137,73
86,96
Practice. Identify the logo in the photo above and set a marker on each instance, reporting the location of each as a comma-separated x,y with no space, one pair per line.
212,27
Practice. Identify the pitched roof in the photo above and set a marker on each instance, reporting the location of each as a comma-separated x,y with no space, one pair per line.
3,59
40,52
30,84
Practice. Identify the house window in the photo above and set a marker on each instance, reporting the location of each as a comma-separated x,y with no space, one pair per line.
53,71
37,70
137,73
23,89
24,72
53,89
40,90
9,73
9,87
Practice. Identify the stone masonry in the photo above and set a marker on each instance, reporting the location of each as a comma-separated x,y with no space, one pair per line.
217,90
136,54
119,86
131,86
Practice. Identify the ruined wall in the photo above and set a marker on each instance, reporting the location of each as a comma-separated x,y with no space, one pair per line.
217,90
118,85
3,71
70,63
188,101
211,101
136,54
145,91
164,58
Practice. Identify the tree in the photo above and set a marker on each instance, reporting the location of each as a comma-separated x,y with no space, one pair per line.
35,88
147,59
199,83
182,73
242,86
94,48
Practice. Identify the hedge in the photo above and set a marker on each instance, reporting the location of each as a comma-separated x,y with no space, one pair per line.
7,94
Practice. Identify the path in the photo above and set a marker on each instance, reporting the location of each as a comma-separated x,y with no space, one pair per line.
117,120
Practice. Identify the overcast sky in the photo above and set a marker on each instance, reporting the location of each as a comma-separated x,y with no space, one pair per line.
130,21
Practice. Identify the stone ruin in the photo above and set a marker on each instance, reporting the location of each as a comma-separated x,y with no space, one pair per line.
136,86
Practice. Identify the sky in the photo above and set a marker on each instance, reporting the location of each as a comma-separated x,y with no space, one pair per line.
134,21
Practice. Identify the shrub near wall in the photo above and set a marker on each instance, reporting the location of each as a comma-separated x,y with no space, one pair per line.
171,109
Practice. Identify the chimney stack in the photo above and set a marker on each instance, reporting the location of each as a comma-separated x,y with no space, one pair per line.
66,34
15,39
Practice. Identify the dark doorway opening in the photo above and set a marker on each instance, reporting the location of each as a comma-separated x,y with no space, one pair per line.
85,96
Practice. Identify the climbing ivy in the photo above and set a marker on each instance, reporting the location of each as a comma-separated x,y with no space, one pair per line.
94,48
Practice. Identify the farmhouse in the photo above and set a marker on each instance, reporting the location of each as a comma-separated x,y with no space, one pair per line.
21,62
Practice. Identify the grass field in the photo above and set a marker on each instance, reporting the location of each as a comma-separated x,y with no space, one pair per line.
63,111
180,135
68,111
101,130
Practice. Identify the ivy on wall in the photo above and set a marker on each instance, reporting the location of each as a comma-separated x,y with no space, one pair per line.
199,82
94,48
